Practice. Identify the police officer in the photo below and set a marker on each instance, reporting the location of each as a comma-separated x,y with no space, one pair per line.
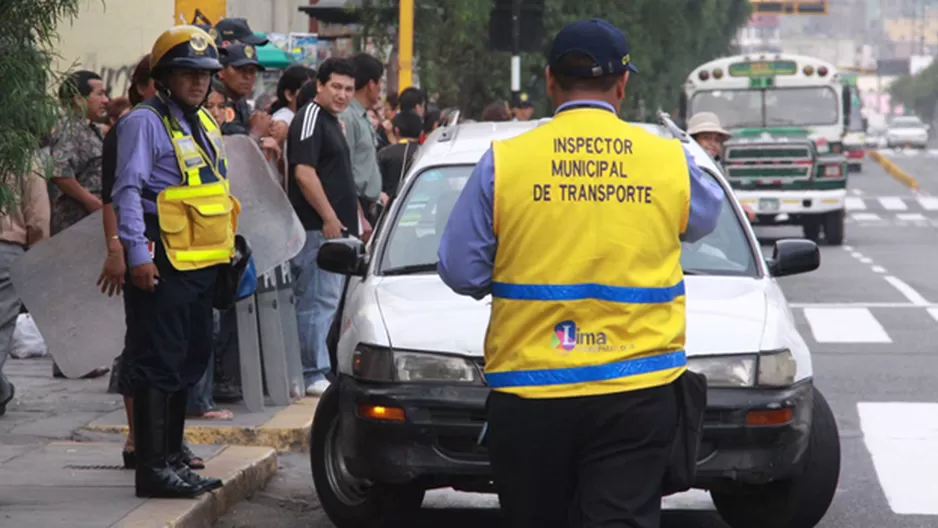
176,221
575,229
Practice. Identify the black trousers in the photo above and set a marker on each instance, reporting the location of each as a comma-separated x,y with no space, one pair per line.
586,462
171,327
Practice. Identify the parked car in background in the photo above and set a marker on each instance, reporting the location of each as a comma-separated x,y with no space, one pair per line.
907,131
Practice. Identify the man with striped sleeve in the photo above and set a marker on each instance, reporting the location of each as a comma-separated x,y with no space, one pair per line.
322,190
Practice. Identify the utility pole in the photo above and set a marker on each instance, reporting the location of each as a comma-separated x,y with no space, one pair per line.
405,45
515,51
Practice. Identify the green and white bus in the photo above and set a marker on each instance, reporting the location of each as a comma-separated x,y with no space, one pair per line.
788,115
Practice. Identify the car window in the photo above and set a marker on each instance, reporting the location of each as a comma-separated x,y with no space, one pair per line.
418,225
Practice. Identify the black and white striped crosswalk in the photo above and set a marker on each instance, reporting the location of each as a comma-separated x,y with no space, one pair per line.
915,210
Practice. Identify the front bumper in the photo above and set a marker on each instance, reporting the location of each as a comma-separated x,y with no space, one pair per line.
769,204
920,142
437,443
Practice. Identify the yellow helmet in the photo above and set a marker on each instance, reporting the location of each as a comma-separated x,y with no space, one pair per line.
184,47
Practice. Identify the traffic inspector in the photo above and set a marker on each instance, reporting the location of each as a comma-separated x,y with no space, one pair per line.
585,344
176,221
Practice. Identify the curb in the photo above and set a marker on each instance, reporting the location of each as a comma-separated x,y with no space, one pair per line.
244,471
286,431
893,170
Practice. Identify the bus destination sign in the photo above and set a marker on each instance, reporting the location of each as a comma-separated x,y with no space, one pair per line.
763,68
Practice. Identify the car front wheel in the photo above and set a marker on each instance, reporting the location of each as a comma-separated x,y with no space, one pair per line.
351,502
797,503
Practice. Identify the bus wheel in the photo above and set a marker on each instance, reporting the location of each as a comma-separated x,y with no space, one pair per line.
812,229
834,227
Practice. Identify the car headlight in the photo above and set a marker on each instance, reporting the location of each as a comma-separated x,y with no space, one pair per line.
382,364
773,368
726,371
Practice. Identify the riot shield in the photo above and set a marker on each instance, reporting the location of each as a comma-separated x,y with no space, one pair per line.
267,219
83,328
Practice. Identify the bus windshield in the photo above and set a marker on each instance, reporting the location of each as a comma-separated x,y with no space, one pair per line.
810,106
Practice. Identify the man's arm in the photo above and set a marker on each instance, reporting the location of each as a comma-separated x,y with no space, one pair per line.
706,202
37,210
135,153
305,145
467,247
64,175
311,187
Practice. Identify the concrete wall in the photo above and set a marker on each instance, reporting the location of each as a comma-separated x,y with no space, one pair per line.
271,16
110,36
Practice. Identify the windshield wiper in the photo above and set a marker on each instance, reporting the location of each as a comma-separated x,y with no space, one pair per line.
413,268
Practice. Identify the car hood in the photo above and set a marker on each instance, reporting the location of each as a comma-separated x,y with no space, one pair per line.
725,315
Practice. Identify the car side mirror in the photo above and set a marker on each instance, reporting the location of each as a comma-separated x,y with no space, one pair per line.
794,256
345,256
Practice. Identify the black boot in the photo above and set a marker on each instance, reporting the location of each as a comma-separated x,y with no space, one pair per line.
177,459
153,475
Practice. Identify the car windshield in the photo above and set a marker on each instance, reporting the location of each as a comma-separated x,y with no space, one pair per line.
906,122
812,106
418,224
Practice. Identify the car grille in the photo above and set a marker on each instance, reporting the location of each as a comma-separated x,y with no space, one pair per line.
768,163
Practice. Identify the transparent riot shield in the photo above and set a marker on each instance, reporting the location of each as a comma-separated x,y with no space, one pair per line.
83,328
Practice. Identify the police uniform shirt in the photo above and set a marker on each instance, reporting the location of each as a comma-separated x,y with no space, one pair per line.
316,140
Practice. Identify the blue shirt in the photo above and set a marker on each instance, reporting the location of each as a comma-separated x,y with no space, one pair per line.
467,248
146,159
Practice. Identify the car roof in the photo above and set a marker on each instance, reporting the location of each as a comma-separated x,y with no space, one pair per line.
467,142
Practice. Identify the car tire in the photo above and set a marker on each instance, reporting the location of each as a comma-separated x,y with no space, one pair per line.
834,227
347,501
797,503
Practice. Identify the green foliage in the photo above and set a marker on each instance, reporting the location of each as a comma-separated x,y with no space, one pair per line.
919,93
668,38
27,41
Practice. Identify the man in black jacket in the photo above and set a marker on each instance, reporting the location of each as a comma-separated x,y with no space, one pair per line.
394,160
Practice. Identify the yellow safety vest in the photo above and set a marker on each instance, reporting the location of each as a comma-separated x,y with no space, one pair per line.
199,218
587,286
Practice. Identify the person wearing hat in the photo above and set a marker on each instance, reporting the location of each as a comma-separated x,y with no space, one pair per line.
177,223
706,130
235,31
522,109
574,228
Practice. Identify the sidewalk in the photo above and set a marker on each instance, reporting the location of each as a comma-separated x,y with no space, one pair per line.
49,480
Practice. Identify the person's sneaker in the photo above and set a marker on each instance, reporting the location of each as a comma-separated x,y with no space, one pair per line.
317,388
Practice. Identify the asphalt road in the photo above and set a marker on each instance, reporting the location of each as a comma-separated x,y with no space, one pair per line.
867,315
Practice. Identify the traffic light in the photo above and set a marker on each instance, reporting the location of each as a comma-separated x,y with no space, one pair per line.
530,25
789,7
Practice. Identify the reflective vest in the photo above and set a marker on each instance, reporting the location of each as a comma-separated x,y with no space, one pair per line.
587,287
198,218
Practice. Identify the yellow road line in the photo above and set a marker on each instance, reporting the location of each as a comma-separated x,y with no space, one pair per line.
893,170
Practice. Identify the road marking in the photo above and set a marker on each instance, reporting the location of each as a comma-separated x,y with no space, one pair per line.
901,439
866,260
860,304
854,204
856,255
866,217
929,203
892,203
845,325
934,313
858,192
879,269
911,217
847,248
913,296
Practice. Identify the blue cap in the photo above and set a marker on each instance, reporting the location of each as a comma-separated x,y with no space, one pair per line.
606,44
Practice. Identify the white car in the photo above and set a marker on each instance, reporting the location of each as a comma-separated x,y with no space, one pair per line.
907,131
407,403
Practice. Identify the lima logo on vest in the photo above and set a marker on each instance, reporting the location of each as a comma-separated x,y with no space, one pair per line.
568,336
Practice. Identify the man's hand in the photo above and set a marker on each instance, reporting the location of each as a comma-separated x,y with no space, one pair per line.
332,228
366,229
750,213
260,123
278,130
93,204
383,198
143,276
112,275
269,146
